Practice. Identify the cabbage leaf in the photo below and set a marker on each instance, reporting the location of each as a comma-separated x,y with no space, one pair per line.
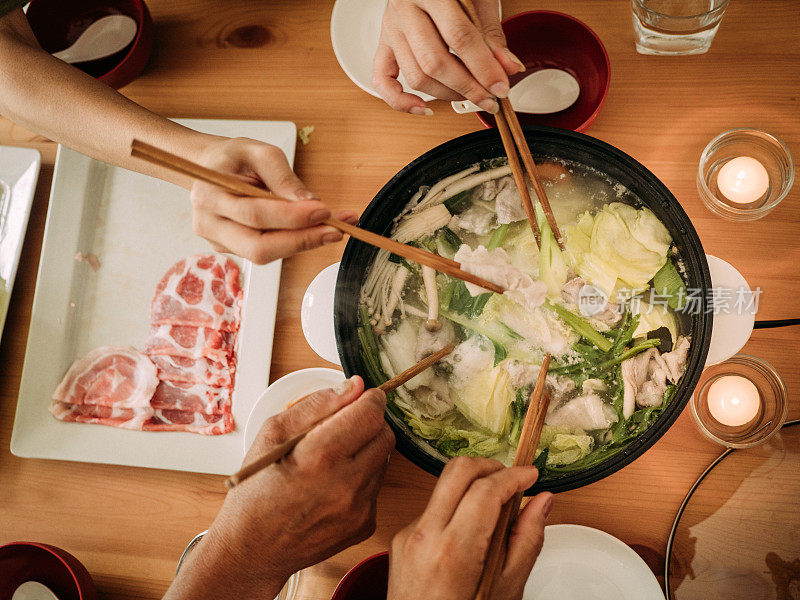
626,247
564,445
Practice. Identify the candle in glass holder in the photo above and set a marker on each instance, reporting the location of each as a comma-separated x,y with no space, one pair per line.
733,400
743,180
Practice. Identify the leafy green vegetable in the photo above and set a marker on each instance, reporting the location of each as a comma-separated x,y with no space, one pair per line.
624,333
552,265
450,238
589,460
446,436
478,303
498,236
588,368
461,301
668,282
500,352
518,409
460,202
541,459
580,325
564,444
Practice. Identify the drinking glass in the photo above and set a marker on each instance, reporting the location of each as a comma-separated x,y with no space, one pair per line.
674,27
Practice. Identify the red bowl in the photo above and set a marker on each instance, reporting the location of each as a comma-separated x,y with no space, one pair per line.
67,578
368,580
543,39
57,24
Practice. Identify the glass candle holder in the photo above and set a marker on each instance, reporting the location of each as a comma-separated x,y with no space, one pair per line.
768,416
742,144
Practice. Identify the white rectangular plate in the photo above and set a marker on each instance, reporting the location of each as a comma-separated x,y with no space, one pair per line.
137,227
19,170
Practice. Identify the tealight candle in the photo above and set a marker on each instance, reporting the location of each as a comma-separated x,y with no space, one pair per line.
733,400
743,180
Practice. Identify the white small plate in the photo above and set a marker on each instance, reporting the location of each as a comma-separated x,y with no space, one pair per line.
19,171
582,563
355,31
316,314
733,325
284,391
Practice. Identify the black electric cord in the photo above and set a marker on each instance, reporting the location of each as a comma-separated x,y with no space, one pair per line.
775,323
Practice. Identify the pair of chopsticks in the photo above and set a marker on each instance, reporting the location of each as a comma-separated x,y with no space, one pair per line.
281,450
526,452
234,185
516,146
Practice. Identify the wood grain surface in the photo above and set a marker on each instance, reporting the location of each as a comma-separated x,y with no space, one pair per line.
266,59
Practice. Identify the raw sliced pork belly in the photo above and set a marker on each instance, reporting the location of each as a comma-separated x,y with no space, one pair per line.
179,369
202,291
191,342
114,376
193,397
124,418
184,380
144,418
193,422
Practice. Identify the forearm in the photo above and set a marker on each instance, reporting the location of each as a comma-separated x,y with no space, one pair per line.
218,568
45,95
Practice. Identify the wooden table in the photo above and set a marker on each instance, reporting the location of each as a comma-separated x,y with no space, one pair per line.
257,59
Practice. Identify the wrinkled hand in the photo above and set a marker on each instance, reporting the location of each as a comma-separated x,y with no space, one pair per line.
303,509
440,556
258,229
416,36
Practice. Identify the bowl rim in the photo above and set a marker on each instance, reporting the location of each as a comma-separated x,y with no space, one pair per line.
54,551
589,121
691,244
141,23
346,583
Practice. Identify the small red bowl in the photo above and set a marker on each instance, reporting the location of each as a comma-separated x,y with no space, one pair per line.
66,577
368,580
544,39
57,24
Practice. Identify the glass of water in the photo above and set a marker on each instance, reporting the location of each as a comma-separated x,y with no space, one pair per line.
674,27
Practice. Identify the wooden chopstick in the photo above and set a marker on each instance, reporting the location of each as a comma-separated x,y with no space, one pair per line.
514,142
526,451
519,178
281,450
233,184
398,380
530,166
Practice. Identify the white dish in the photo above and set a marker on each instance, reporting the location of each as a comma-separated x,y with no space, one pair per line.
733,325
138,227
581,563
355,31
19,171
316,314
283,392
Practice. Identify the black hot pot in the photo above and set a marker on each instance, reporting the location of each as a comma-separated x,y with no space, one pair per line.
460,153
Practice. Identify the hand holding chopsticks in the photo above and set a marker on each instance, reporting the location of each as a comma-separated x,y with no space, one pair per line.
240,187
440,554
526,452
282,449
